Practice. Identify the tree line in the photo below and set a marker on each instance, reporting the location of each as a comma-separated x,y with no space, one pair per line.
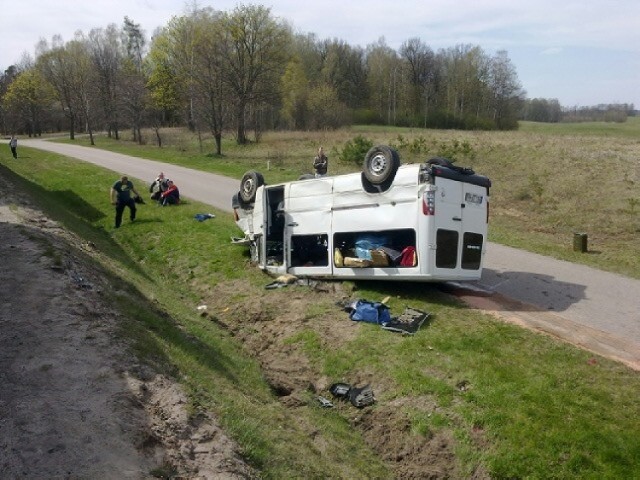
243,72
550,110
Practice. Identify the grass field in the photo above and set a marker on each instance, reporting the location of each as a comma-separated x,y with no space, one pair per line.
549,180
504,402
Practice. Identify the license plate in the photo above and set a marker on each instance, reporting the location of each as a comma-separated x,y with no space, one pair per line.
473,198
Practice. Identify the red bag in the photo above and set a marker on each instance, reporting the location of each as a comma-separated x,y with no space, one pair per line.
408,258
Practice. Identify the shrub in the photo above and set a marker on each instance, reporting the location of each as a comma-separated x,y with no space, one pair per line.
355,150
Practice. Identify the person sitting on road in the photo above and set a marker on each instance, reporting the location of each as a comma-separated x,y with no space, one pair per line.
171,196
161,183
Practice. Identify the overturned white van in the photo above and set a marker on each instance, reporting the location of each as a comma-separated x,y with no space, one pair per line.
417,222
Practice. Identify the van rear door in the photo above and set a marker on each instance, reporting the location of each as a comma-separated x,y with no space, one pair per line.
460,227
474,226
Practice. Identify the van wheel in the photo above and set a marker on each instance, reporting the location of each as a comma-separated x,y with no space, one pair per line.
380,165
249,185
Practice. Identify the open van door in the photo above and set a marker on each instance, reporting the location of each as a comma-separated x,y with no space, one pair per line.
308,226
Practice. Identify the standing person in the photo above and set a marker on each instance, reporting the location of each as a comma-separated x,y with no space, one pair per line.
161,183
320,163
121,197
13,143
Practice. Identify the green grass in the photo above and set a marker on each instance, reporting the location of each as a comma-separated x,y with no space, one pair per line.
549,181
627,129
530,407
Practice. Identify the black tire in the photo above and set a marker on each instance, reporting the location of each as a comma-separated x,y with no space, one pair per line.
441,161
371,188
249,185
380,165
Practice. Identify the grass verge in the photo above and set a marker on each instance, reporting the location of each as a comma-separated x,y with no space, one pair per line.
512,403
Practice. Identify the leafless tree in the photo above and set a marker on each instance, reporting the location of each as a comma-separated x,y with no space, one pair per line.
56,66
133,79
106,54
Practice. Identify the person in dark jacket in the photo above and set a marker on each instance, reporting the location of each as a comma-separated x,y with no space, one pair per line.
171,196
320,163
13,144
121,198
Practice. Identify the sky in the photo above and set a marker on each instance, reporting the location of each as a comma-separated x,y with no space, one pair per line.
581,53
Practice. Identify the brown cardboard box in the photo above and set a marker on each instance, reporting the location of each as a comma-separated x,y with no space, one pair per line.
355,262
379,258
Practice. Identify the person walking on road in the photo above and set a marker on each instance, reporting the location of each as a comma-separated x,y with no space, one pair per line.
121,198
13,143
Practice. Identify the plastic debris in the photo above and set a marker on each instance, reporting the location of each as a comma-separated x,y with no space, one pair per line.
201,217
325,403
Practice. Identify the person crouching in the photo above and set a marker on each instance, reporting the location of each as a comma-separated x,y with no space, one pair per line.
161,183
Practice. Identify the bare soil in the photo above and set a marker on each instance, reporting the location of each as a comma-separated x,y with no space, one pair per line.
264,325
74,403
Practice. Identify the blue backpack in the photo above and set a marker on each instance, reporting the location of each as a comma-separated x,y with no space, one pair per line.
370,312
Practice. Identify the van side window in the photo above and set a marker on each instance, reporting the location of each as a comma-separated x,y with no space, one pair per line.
310,250
386,248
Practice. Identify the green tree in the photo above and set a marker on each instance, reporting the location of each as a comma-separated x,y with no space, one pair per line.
29,98
325,109
6,78
164,86
295,88
344,70
209,73
254,47
383,66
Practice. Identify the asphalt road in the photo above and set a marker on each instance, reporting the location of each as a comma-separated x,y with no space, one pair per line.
596,310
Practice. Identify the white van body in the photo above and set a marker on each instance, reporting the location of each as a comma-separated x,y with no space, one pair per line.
429,225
